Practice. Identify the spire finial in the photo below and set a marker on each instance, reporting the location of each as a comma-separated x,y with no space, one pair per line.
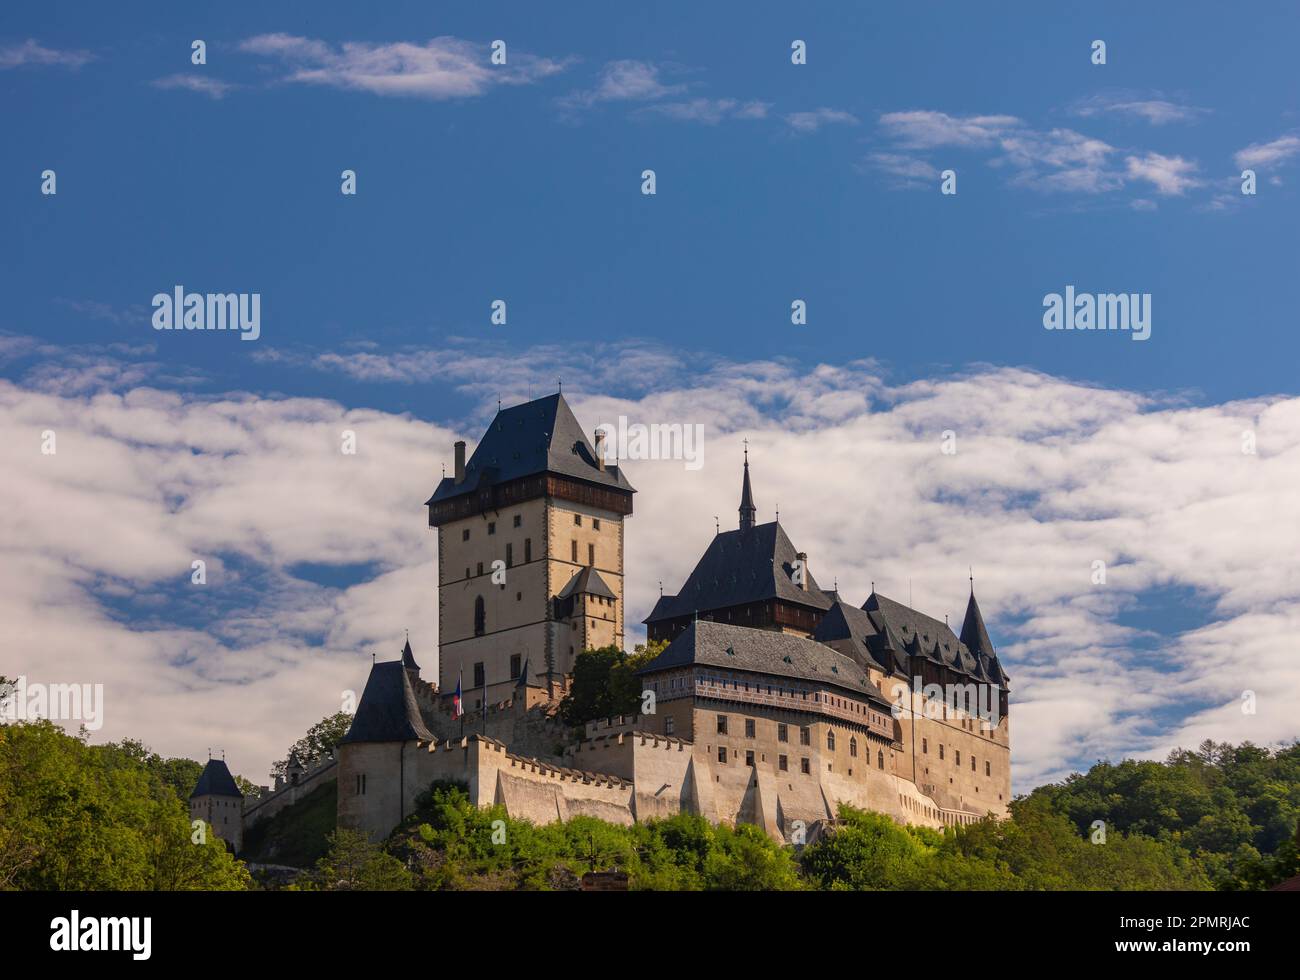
661,587
560,384
972,579
717,525
372,658
747,508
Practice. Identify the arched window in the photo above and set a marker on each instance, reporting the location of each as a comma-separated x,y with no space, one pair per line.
830,740
853,747
880,759
480,617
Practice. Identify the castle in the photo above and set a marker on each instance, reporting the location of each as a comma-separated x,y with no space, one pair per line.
773,702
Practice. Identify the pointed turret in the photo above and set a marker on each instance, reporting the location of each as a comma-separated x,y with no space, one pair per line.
747,508
408,658
973,633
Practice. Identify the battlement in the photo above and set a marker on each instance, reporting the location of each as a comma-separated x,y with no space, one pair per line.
286,793
525,764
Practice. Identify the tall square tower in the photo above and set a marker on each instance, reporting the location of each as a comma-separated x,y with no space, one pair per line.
530,552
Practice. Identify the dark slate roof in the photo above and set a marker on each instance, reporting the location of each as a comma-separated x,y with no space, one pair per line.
589,582
739,567
973,633
388,712
540,436
408,658
764,652
923,636
216,780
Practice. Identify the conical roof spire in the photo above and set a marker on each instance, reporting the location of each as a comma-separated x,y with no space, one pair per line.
408,658
973,633
747,508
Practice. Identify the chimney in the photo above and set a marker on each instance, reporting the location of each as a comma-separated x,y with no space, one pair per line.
460,461
600,449
802,558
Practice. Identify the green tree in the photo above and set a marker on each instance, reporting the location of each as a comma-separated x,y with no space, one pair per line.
77,817
353,863
605,683
320,740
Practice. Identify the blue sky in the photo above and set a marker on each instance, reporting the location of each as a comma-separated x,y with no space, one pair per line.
507,194
776,182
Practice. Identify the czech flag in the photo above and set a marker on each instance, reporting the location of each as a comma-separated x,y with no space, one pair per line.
457,706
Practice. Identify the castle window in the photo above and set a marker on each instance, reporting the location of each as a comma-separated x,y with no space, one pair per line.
941,753
514,666
958,757
519,520
880,759
830,740
591,554
749,728
853,747
361,784
722,724
480,617
577,520
573,551
782,734
722,754
972,763
510,555
783,763
528,549
668,724
925,746
805,767
492,527
805,736
595,523
988,770
464,535
519,597
479,675
480,569
749,757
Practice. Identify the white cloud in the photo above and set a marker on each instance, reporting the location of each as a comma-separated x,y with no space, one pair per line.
624,81
1171,176
1049,476
442,68
203,84
923,129
1261,155
810,122
708,111
31,53
1156,111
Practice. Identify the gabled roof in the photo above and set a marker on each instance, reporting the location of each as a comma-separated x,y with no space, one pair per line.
216,780
764,652
588,581
904,629
739,567
854,626
388,712
540,436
